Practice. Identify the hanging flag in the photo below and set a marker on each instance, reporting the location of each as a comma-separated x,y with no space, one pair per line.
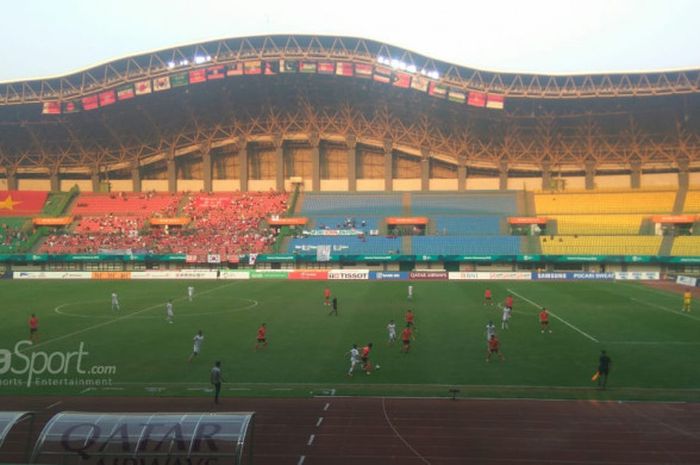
323,253
402,80
90,102
107,97
198,75
456,95
252,67
289,66
252,258
363,71
326,67
143,87
308,67
382,74
125,92
51,108
215,72
161,83
437,90
420,83
213,258
272,67
72,106
179,79
477,99
234,69
343,68
495,101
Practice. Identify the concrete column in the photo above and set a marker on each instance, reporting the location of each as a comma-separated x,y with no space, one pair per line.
461,173
54,179
683,173
172,174
315,142
136,177
11,179
425,169
590,174
546,175
207,171
636,178
243,165
95,179
278,143
351,142
503,175
388,165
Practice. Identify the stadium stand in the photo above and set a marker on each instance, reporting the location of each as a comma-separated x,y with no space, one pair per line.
496,203
456,245
467,225
126,204
364,223
598,224
604,202
12,235
692,202
347,245
686,246
360,205
600,245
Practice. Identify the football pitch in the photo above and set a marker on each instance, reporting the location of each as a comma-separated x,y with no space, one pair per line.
86,348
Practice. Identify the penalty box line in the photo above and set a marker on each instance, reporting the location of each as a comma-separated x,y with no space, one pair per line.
123,317
578,330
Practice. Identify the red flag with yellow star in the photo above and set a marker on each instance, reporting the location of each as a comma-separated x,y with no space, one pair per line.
21,203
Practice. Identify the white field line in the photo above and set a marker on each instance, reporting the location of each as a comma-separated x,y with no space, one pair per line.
665,309
124,317
580,331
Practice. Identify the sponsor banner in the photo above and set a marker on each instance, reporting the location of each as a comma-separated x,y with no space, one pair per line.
275,220
111,275
349,274
427,275
638,275
678,219
527,220
573,276
57,221
332,232
308,275
687,281
182,274
226,274
388,275
52,275
270,274
176,221
490,275
275,258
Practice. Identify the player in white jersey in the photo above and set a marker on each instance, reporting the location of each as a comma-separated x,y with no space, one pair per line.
190,293
490,330
506,317
391,328
354,358
169,315
410,292
115,301
197,345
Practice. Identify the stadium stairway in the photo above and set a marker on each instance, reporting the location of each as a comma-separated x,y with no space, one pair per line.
680,200
407,245
406,203
528,203
666,246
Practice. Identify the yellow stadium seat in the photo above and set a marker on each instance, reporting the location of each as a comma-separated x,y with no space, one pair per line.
598,224
604,202
600,245
692,202
686,245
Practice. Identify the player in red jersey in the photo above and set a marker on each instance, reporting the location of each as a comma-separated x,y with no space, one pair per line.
406,335
262,340
488,297
410,318
544,320
33,329
508,302
326,296
494,347
364,356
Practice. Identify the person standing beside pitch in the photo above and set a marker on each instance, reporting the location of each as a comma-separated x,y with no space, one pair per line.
216,379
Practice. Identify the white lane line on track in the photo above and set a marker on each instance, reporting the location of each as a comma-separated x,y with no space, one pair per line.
398,435
301,460
53,405
318,423
124,317
311,439
580,331
325,407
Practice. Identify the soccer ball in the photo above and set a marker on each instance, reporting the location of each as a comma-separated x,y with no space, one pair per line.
377,366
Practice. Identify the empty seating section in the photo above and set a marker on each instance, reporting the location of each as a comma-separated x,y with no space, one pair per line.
356,205
686,245
11,234
692,202
476,245
127,204
605,202
502,204
598,224
467,225
601,245
340,222
347,245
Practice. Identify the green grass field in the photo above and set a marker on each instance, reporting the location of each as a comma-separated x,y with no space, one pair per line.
654,347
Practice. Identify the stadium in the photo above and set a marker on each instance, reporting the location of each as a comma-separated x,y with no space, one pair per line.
224,186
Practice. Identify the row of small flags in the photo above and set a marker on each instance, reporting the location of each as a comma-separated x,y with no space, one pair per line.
380,74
